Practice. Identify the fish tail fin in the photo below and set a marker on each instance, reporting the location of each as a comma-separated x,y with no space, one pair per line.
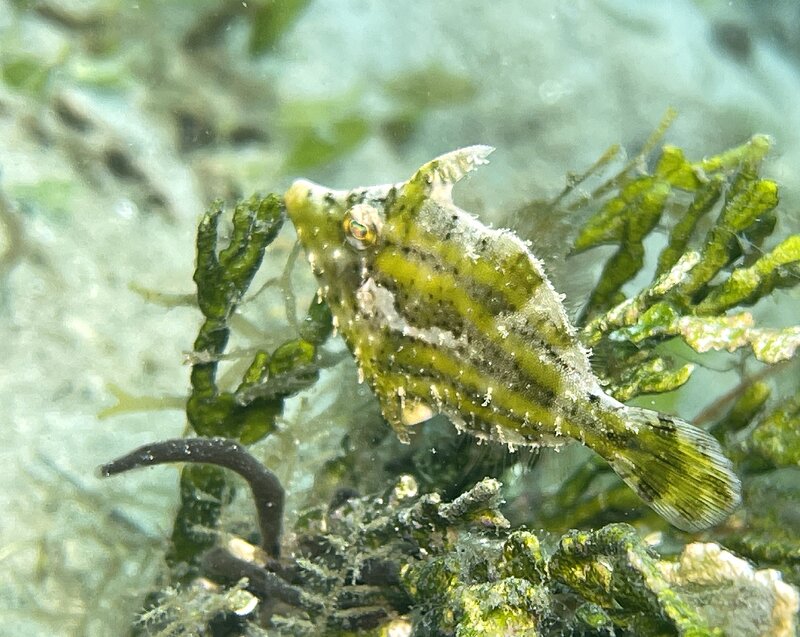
680,471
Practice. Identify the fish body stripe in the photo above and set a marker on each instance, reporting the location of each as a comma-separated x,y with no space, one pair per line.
435,363
426,311
511,277
471,259
488,421
469,355
415,276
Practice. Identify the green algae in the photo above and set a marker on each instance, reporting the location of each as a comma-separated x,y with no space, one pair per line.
430,87
323,130
769,535
270,21
648,375
742,413
777,437
613,569
248,413
222,279
315,147
703,279
692,289
626,218
26,73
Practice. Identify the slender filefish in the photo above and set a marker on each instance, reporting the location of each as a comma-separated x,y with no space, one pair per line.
445,315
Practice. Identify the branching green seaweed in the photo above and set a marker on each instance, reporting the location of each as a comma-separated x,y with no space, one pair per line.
401,560
694,289
248,413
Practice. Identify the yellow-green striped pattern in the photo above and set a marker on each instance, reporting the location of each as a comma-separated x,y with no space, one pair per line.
446,315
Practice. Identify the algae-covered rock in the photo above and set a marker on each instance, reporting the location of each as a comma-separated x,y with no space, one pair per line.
614,569
455,595
768,532
731,594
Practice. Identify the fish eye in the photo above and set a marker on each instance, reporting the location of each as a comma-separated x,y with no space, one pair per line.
361,224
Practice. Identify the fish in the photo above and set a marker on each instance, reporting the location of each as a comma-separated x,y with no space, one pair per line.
446,315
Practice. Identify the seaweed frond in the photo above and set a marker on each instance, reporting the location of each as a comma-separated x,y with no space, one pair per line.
720,256
248,412
693,289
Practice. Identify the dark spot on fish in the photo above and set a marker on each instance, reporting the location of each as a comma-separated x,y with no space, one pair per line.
646,492
703,445
666,424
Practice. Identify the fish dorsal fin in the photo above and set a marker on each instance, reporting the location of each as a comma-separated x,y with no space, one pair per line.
451,167
435,179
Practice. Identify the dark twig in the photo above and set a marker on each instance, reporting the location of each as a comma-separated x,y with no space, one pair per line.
267,491
223,567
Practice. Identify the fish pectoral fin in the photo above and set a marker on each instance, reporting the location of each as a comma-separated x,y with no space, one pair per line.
402,413
415,412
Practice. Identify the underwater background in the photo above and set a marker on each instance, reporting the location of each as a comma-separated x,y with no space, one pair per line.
121,121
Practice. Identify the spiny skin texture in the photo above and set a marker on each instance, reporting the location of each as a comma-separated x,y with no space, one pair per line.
446,315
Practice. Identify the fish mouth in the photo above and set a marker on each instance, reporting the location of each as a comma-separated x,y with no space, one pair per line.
301,193
306,199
